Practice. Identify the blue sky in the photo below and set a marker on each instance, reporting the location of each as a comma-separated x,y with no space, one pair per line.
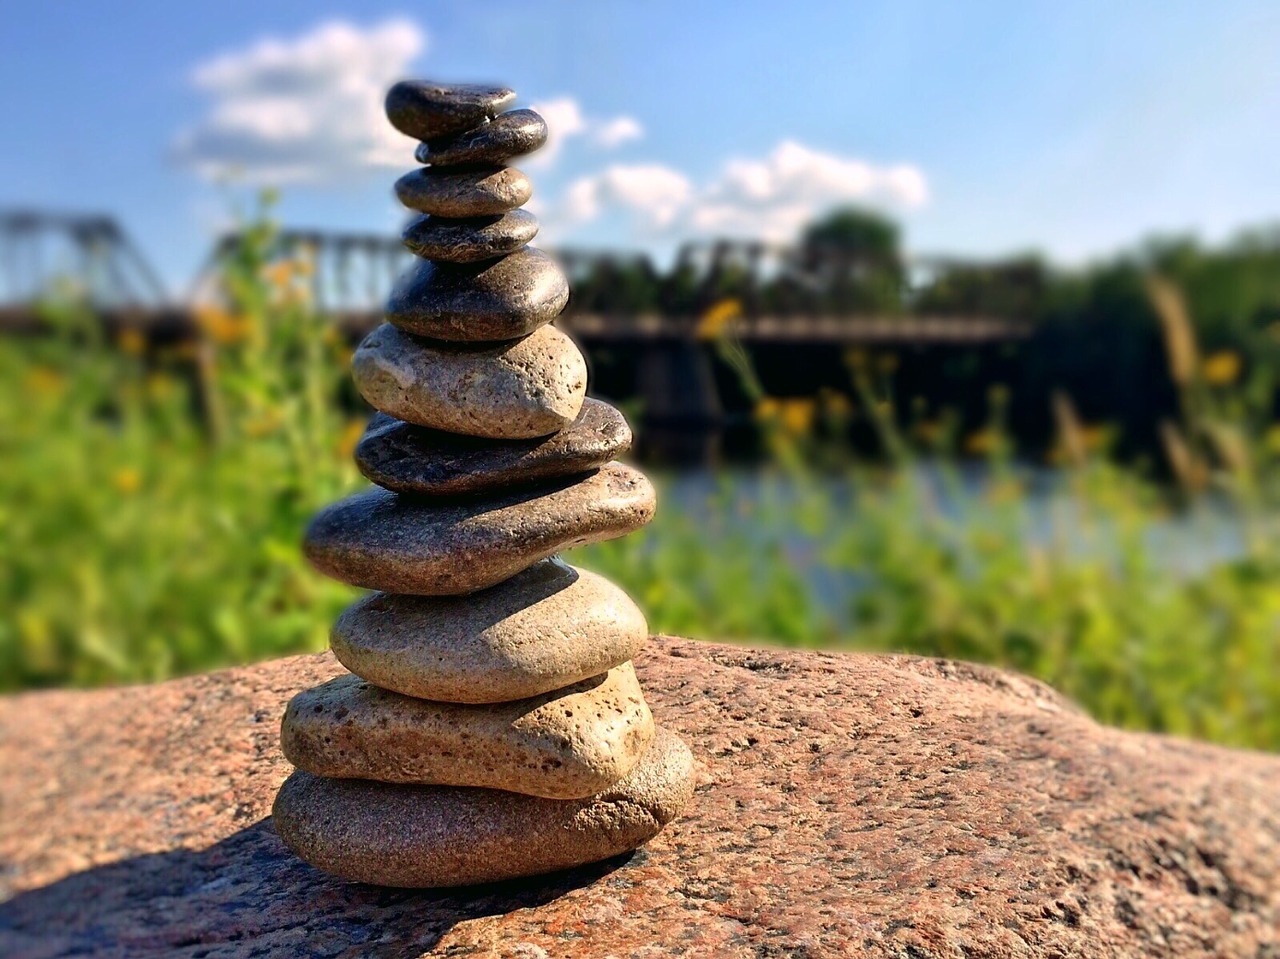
985,128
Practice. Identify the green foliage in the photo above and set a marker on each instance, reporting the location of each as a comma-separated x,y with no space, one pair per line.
1092,604
135,544
151,509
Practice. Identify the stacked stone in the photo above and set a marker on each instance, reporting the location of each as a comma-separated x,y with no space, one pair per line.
492,725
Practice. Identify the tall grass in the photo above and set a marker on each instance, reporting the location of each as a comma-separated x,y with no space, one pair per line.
151,506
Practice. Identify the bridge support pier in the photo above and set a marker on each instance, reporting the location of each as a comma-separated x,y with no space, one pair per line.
682,413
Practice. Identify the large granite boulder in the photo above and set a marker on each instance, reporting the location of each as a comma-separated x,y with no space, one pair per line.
848,805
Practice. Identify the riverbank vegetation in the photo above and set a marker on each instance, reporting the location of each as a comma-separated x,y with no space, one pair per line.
151,518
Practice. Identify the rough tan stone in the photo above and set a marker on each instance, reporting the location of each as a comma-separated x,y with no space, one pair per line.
527,389
541,630
488,191
381,540
425,836
879,806
471,240
566,744
479,302
414,459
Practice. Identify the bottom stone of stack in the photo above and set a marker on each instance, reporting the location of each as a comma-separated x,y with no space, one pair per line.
424,836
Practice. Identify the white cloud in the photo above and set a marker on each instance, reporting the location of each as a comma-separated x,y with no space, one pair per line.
619,130
565,120
303,110
770,198
659,192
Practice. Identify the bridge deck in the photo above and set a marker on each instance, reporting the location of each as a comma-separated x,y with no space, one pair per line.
599,328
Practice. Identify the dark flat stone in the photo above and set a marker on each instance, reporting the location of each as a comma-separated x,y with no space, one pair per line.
414,459
425,110
499,300
489,191
508,135
472,240
399,544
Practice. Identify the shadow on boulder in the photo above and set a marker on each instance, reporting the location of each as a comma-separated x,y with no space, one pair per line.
249,895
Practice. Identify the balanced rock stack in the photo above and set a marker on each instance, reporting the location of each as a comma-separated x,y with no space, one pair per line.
492,725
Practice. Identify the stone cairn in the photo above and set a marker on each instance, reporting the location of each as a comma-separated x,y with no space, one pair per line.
492,726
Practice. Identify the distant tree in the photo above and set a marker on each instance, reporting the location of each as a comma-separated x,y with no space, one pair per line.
855,235
854,258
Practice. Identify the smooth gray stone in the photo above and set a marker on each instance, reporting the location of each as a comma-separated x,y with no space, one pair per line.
566,744
489,191
427,836
508,135
543,629
414,459
469,241
497,300
513,390
399,544
425,110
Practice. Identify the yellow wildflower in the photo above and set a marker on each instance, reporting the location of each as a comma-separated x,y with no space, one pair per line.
1094,437
887,362
856,359
127,480
980,443
350,436
132,341
1272,439
280,273
767,408
1221,368
835,403
223,327
716,320
263,425
928,431
797,415
161,387
43,379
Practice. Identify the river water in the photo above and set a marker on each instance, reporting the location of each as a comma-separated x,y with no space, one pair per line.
764,509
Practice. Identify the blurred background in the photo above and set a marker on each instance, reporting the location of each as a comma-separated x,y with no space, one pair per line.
944,329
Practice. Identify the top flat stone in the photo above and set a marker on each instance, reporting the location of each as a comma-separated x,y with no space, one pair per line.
509,135
488,191
425,110
407,458
397,544
479,302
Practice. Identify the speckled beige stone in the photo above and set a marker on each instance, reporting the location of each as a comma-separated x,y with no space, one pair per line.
424,836
402,544
487,191
520,390
541,630
566,744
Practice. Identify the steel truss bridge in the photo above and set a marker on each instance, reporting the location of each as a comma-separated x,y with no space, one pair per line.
661,353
